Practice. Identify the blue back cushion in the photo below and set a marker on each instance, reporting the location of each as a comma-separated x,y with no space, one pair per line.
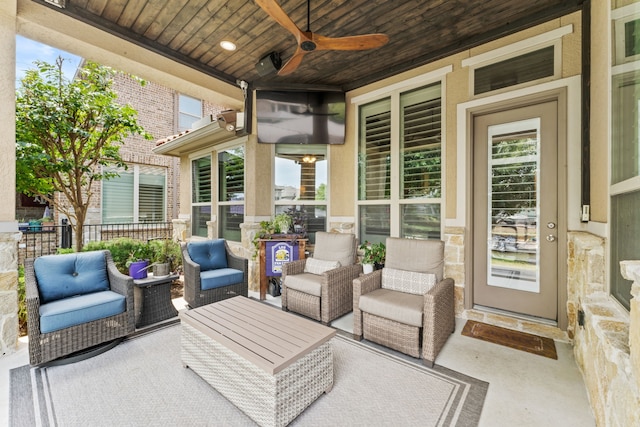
63,276
210,254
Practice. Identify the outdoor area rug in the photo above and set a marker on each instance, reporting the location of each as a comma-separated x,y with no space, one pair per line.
515,339
142,382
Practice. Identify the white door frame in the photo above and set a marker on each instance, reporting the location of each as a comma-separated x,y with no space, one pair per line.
567,92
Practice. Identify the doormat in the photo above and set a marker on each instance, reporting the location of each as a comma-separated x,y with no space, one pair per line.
510,338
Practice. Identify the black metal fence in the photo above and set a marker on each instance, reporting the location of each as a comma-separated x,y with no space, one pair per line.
41,240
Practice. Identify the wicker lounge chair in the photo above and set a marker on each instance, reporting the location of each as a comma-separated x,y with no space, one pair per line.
407,305
212,272
321,287
75,302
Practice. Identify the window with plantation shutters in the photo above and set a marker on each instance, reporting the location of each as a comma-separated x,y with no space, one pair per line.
400,165
375,151
200,195
231,193
135,195
151,194
420,143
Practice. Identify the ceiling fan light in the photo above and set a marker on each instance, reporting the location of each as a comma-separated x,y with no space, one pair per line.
309,159
227,45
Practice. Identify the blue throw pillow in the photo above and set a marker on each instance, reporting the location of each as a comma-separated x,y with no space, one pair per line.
210,254
63,276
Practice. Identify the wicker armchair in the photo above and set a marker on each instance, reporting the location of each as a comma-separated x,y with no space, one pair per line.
212,272
75,302
321,287
406,306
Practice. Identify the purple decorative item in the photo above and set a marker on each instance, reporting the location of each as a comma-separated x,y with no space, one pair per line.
138,269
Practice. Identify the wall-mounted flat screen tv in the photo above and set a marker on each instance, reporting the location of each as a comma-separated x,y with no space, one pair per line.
300,117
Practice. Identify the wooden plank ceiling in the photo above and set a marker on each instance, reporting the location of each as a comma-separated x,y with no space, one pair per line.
419,31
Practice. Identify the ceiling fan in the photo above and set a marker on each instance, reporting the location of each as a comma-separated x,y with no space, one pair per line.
309,42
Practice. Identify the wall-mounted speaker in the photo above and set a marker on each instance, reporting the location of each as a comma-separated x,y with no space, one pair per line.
269,64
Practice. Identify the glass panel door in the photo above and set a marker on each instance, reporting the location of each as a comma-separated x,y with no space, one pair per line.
513,205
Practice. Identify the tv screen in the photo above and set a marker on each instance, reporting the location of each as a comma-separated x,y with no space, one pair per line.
300,117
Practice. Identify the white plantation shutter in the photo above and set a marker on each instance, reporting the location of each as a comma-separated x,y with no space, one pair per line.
420,143
151,194
375,151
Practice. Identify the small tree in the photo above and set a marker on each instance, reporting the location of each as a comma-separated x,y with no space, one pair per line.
66,131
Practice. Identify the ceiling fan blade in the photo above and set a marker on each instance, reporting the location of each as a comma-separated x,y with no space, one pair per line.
293,63
363,42
273,9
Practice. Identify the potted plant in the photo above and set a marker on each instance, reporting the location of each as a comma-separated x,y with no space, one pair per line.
137,265
47,223
373,257
282,223
164,257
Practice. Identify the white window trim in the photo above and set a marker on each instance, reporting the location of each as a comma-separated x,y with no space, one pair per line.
513,50
394,91
135,169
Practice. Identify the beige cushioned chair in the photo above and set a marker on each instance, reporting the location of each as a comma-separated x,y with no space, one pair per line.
407,305
321,287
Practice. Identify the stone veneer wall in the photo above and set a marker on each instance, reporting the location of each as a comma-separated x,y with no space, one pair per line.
8,292
607,346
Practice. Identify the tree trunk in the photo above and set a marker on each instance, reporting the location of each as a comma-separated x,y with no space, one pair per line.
81,214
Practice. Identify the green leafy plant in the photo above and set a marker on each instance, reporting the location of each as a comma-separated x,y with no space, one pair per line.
22,302
282,222
166,251
374,253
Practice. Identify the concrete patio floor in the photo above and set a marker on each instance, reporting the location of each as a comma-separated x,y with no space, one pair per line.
524,389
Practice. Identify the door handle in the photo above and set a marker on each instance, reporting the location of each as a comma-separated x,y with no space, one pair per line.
551,238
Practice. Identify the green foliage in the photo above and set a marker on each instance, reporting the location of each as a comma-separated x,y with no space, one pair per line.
66,131
374,253
22,301
124,250
166,251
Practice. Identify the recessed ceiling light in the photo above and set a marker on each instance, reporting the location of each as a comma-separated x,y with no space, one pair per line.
227,45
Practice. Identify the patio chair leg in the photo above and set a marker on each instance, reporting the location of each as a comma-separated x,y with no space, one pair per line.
427,363
357,337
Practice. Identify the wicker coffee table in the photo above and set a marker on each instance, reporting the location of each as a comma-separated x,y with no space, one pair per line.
269,363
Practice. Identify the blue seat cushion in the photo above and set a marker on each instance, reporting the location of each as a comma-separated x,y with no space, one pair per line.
212,279
63,276
72,311
210,254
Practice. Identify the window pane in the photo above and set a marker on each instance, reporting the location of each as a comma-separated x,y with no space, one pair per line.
230,218
117,199
300,172
375,223
624,223
521,69
231,175
632,38
312,217
374,151
420,221
201,180
625,123
200,216
420,143
189,111
151,198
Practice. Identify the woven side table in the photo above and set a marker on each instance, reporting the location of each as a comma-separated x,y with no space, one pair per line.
152,299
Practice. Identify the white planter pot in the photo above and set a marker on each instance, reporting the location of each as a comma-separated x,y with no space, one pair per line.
367,268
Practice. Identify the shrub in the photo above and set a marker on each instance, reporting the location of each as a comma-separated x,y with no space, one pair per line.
22,302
